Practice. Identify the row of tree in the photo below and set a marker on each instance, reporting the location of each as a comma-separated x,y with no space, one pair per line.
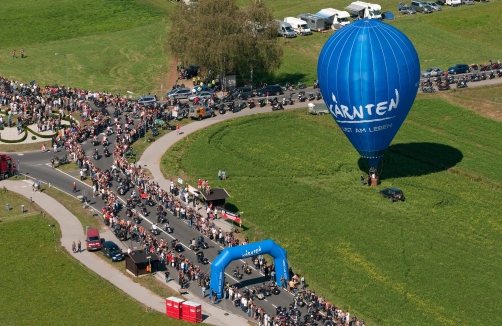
221,37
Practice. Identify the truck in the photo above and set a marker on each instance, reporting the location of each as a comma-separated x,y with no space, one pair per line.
334,16
360,10
200,112
8,166
316,23
285,29
299,26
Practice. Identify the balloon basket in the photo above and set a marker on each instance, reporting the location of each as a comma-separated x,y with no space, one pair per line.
375,181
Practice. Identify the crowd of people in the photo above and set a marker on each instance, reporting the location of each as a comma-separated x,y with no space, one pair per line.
31,103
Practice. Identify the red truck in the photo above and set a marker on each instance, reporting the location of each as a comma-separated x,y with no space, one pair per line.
8,166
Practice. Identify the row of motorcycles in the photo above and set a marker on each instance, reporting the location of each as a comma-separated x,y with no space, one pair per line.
443,83
274,102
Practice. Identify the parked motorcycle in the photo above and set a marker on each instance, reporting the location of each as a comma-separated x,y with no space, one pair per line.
263,102
318,96
290,100
443,86
277,106
492,75
483,76
311,97
251,103
316,84
301,86
301,97
242,105
462,83
429,89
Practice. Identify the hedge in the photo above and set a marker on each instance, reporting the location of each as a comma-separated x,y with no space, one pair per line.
40,135
16,140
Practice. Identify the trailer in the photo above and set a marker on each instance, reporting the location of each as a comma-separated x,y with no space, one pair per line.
316,23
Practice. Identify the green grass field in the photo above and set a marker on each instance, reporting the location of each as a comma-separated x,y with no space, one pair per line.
420,262
42,286
118,46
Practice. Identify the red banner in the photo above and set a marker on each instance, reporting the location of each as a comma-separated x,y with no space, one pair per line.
231,216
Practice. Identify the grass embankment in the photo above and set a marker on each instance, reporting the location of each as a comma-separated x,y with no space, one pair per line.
296,177
110,46
44,286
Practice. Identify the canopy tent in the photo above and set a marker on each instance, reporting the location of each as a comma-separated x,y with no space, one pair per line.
388,16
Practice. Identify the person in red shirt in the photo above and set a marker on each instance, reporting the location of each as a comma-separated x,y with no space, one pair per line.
178,127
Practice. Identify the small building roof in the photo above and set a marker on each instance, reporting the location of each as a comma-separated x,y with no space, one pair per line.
141,256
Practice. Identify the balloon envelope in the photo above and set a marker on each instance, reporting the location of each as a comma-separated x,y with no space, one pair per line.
369,75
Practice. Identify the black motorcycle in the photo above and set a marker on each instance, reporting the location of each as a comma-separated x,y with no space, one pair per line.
301,97
95,154
277,106
106,152
263,102
251,103
311,97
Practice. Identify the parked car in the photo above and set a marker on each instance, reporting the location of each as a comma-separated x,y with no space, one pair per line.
393,194
146,100
200,112
201,88
435,6
419,6
242,92
112,251
191,71
459,69
179,93
432,72
427,10
201,95
92,240
407,10
467,2
271,89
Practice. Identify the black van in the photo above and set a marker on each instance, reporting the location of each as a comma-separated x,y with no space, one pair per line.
271,89
460,68
242,92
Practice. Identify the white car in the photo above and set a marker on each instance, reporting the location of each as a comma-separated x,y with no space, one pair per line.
435,6
201,95
432,72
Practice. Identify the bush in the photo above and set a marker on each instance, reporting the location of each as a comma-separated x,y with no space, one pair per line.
33,137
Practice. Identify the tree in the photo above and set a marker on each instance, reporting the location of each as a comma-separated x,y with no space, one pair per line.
219,36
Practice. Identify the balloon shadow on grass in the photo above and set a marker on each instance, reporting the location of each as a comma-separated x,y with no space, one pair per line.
415,159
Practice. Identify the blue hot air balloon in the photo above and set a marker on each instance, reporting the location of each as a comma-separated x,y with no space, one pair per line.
369,75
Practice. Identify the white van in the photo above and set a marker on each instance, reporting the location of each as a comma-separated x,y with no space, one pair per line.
342,17
335,16
299,26
360,9
453,3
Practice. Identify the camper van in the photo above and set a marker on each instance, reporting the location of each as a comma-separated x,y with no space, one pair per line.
334,16
453,3
359,9
299,26
285,29
316,23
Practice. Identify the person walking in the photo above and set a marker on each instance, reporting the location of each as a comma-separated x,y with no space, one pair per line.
74,186
22,53
14,54
79,246
178,127
52,163
203,291
55,148
167,276
362,179
43,147
74,247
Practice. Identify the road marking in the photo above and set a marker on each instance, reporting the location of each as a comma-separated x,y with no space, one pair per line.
273,305
20,154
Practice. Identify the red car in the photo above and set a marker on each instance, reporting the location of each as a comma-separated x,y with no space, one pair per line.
93,241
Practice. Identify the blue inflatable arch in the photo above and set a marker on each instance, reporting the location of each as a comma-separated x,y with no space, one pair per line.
240,252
